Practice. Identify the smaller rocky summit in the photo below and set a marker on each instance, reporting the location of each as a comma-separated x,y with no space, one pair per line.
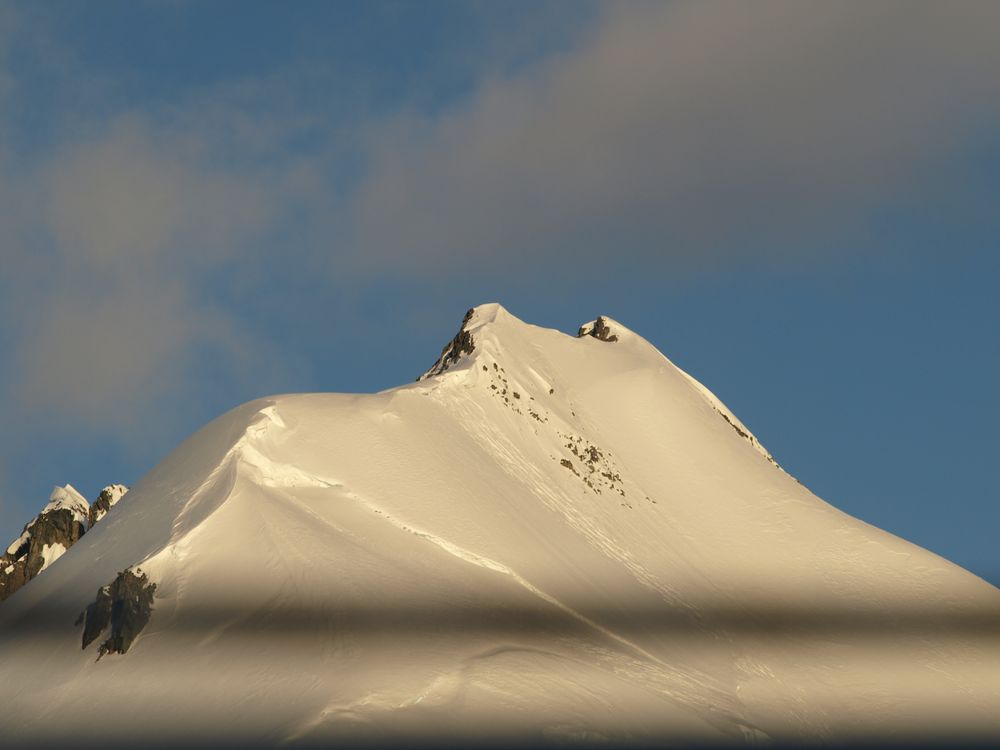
106,501
125,605
66,518
599,329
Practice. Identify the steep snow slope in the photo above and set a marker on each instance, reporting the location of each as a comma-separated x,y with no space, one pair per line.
545,537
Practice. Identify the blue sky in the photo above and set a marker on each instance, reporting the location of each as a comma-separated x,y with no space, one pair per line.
203,203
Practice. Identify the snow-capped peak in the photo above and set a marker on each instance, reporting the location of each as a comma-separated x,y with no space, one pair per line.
464,342
490,312
68,498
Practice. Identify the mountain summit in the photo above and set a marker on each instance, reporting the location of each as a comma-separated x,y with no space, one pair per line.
545,537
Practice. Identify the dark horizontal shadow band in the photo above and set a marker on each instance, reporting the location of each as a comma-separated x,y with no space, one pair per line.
412,618
500,740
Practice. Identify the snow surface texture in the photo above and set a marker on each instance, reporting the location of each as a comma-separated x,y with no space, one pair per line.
548,537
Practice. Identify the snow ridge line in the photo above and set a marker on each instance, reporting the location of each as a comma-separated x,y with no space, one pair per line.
716,403
257,427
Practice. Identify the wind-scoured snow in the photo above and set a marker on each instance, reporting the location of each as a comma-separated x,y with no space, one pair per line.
547,537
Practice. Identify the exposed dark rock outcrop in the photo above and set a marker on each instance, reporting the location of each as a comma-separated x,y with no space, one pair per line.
599,329
462,344
125,605
108,498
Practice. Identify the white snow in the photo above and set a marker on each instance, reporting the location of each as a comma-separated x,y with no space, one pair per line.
16,544
51,553
421,560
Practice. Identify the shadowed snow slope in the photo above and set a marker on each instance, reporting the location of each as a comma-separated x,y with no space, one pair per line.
547,538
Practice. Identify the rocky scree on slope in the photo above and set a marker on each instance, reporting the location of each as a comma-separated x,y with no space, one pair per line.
44,539
598,471
603,329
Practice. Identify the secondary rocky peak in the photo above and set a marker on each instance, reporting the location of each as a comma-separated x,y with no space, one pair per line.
109,496
600,329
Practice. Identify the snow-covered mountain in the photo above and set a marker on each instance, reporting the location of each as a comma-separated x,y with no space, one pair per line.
545,537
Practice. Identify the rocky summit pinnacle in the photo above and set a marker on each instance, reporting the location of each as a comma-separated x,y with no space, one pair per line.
599,329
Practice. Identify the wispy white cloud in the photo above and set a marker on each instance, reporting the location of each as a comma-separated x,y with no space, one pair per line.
106,360
682,131
106,275
128,198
